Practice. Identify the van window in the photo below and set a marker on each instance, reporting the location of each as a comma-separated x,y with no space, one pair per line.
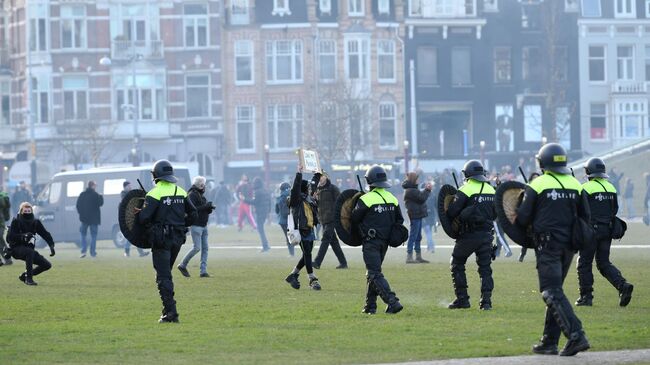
113,186
74,188
55,192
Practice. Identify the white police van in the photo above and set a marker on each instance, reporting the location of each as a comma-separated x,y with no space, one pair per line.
56,204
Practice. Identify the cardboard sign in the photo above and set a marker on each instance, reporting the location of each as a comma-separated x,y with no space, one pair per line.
309,160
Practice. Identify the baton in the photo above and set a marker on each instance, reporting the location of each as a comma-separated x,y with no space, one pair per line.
523,175
359,181
523,249
455,181
141,187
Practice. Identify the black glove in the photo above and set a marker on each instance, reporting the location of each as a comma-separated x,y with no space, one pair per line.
493,253
52,253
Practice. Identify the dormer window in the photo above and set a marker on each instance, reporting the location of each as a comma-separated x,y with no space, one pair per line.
383,6
281,8
625,9
325,6
355,8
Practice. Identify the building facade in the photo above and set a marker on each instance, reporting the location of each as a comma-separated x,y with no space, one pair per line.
111,81
321,74
490,78
614,48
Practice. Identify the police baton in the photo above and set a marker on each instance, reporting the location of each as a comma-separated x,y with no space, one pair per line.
523,249
141,187
455,180
523,175
360,185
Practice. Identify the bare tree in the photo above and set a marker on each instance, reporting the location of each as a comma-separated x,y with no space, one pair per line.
341,122
85,141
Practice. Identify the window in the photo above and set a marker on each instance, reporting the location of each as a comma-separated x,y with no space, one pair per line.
571,5
491,5
113,186
358,59
355,7
73,26
563,126
5,95
530,17
74,188
532,123
195,25
591,8
244,63
561,63
327,59
387,125
284,61
505,127
40,109
55,192
383,6
415,7
461,66
134,24
325,6
150,97
647,63
386,61
625,62
245,119
75,97
530,63
630,116
284,126
598,121
38,27
281,8
625,8
647,9
442,8
358,117
597,63
197,96
427,66
239,12
502,65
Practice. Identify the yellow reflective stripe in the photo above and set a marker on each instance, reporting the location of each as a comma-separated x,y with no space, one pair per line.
373,197
546,182
593,186
473,187
164,188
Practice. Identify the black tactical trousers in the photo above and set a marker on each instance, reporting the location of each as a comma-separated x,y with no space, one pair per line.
374,251
553,262
31,257
329,239
462,251
305,261
600,249
163,257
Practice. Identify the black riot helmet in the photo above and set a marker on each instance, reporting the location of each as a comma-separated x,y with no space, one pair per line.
595,167
163,170
376,177
552,157
473,169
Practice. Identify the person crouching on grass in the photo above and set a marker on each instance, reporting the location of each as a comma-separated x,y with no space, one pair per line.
22,230
304,213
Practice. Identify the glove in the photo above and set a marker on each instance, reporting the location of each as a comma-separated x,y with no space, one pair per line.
493,253
52,253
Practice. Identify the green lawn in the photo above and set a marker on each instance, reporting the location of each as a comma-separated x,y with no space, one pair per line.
105,310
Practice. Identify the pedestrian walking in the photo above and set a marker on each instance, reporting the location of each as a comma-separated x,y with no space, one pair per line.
89,203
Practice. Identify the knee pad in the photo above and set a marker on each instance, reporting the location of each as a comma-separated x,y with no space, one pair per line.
551,295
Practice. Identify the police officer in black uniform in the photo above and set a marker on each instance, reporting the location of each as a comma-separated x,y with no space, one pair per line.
22,230
549,204
603,205
474,205
167,212
375,214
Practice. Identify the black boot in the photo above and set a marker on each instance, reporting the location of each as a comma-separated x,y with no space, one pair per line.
486,301
371,300
546,346
586,298
577,342
383,289
169,318
394,307
292,279
625,293
459,303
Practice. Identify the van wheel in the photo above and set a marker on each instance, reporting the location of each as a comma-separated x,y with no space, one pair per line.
118,238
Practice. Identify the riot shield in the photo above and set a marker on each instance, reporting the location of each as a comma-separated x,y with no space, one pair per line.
128,218
507,199
445,197
346,231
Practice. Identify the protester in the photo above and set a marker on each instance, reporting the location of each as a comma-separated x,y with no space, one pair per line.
88,205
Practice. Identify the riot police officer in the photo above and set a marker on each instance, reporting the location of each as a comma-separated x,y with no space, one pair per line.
375,214
22,230
550,204
603,205
167,212
474,206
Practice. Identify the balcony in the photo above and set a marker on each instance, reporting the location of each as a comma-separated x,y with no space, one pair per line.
239,16
442,9
629,87
124,50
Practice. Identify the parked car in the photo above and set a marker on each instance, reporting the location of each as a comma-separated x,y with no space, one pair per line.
56,204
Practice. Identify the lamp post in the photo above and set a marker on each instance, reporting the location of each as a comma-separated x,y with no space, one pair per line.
267,165
482,145
406,156
106,61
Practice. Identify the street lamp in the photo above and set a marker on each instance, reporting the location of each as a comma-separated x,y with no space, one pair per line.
106,61
482,144
406,156
267,165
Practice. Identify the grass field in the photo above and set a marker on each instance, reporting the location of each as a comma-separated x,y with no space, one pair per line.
105,310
